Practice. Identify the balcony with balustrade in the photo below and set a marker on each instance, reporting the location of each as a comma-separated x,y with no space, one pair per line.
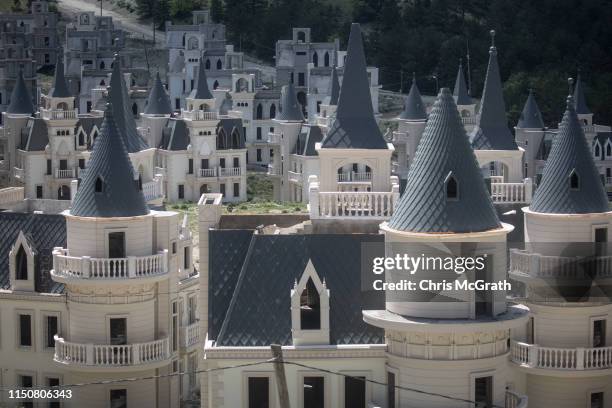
65,173
561,361
190,335
515,400
58,114
199,115
89,271
207,173
11,195
153,190
295,177
274,170
511,193
107,358
273,138
230,172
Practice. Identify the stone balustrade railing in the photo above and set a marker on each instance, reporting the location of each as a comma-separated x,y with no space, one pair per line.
19,173
512,192
548,267
54,114
10,195
190,334
104,355
273,170
75,268
208,172
273,138
352,176
294,176
199,115
65,173
557,358
229,172
468,120
153,189
515,400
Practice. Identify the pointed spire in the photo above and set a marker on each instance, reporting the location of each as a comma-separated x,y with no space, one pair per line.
21,101
414,108
460,93
530,118
444,156
60,87
201,90
334,90
290,109
580,99
491,131
159,102
355,125
570,183
119,101
108,188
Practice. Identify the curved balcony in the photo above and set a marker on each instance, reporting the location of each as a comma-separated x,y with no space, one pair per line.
526,265
105,357
515,400
105,271
190,335
562,359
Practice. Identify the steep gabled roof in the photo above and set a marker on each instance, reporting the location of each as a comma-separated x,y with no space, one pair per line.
201,90
491,131
414,108
21,101
444,152
355,126
580,99
158,102
108,188
530,118
570,155
334,88
178,65
175,135
290,109
119,101
307,139
460,93
36,137
60,87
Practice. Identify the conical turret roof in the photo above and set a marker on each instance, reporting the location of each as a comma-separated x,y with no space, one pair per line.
414,108
355,125
290,109
108,188
21,101
334,90
60,86
158,102
570,183
491,131
460,93
580,99
530,118
201,90
119,100
444,156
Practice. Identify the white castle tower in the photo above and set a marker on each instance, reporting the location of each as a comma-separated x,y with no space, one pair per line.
565,352
452,337
156,113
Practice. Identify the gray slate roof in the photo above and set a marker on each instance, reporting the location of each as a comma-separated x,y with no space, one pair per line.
201,91
175,135
21,101
414,108
570,152
290,109
119,100
226,105
259,313
43,233
120,196
334,88
159,102
491,131
460,93
530,118
355,126
306,141
35,136
230,127
580,99
444,148
88,123
179,64
60,87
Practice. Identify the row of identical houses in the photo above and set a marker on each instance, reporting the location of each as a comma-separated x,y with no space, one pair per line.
107,289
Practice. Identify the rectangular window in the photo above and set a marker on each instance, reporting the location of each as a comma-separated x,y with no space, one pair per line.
318,106
116,246
173,248
354,392
222,189
190,166
271,153
271,130
599,333
52,328
301,80
314,392
300,53
53,382
236,162
88,106
175,328
177,103
601,240
258,155
531,331
186,260
483,391
204,163
118,331
181,192
25,330
48,166
63,164
222,162
191,309
39,191
259,392
597,400
118,398
81,164
258,133
236,189
390,390
27,381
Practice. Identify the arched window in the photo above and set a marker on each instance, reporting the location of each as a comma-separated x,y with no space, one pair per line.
326,59
597,152
451,187
608,150
221,142
102,65
21,264
192,43
315,59
242,85
259,111
204,189
574,180
272,111
219,64
235,139
81,139
99,187
63,193
207,64
310,307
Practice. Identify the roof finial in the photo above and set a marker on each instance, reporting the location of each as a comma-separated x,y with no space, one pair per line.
492,33
413,76
460,62
570,98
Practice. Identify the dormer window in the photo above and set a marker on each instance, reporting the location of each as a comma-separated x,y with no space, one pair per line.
310,309
608,149
597,150
574,180
451,187
99,185
21,264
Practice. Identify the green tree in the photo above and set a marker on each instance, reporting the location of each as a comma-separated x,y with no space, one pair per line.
217,12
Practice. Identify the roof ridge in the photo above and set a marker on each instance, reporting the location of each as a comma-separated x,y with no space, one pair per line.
159,101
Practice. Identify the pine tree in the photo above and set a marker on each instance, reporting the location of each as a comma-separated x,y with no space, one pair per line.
216,11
